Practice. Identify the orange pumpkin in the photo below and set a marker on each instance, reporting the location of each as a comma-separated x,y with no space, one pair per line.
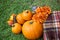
16,28
11,17
27,15
19,19
32,29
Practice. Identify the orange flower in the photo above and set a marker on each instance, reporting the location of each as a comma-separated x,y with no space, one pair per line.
41,14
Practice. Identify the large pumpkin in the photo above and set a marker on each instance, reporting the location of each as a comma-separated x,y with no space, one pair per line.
19,19
27,15
32,29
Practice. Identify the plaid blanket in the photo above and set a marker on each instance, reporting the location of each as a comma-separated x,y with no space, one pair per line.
52,26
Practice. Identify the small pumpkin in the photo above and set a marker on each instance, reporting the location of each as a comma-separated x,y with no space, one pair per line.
19,19
11,17
32,29
10,22
27,15
16,28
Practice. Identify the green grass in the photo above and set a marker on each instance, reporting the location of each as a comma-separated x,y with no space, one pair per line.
7,7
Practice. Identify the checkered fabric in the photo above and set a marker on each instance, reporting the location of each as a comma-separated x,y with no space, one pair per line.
52,26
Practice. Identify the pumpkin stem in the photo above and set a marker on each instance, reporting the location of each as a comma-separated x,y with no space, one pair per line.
33,12
27,11
13,25
31,22
14,19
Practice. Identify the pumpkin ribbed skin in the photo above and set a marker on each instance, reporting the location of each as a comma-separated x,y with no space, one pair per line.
32,30
19,19
27,15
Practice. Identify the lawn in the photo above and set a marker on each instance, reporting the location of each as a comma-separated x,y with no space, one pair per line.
7,7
